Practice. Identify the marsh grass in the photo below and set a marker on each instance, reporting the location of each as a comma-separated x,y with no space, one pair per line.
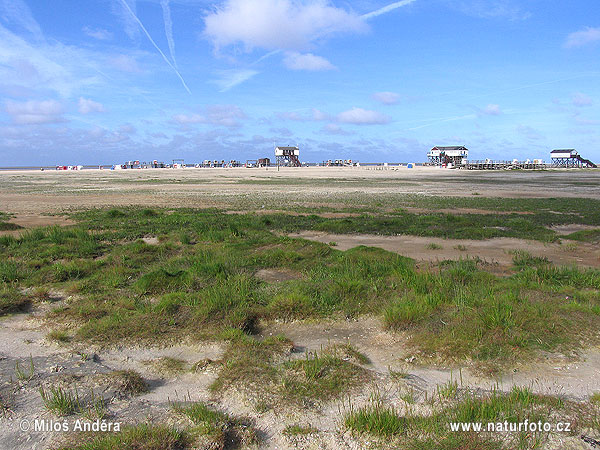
127,290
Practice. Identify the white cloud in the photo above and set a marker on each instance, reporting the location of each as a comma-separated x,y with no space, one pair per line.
221,115
35,112
98,33
277,24
228,79
387,98
491,110
319,115
87,106
306,61
359,116
583,37
314,115
125,63
580,99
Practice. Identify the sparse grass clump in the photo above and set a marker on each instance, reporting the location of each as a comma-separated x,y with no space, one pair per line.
129,382
433,430
377,420
219,428
433,246
169,366
60,401
319,378
140,437
12,301
25,374
59,336
299,430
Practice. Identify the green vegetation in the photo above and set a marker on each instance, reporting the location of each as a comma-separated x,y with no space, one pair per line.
140,437
319,377
585,235
60,401
421,431
12,301
204,286
60,336
218,428
299,430
128,382
433,246
25,375
168,366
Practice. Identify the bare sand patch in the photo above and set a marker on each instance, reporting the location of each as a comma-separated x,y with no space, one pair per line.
277,275
430,249
572,228
27,221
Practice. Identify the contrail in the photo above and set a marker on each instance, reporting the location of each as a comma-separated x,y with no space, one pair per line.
387,9
156,46
169,28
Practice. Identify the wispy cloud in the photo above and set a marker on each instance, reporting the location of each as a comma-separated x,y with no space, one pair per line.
583,37
35,112
221,115
17,12
442,120
359,116
306,61
580,99
98,33
490,110
125,63
387,98
44,66
488,9
387,9
156,46
335,130
228,79
86,106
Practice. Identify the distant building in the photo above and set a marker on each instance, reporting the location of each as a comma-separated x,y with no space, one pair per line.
442,156
287,156
569,157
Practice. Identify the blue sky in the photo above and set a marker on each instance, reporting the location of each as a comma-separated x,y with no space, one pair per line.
104,81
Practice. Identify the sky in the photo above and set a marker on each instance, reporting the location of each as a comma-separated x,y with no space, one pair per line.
106,81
